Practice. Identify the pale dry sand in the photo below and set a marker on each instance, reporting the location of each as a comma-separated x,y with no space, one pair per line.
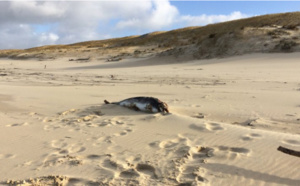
228,117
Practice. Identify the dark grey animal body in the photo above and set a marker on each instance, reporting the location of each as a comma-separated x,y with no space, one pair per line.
146,104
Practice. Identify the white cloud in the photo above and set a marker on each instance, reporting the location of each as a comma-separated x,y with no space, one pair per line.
161,14
208,19
48,38
23,36
30,11
74,21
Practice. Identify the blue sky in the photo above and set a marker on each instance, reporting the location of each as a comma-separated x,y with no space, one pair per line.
25,24
226,7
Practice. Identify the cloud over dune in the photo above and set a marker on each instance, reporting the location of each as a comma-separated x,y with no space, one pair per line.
25,24
159,15
209,19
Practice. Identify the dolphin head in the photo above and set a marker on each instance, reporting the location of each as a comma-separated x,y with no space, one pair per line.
163,107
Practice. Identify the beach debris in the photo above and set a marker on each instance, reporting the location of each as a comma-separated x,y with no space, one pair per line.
289,151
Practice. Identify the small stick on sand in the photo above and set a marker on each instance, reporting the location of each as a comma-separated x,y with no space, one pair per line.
289,151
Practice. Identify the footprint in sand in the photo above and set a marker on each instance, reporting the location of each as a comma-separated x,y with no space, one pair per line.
128,168
214,127
81,181
178,144
91,125
154,144
63,154
239,150
48,119
7,156
231,153
190,166
147,169
197,106
55,159
103,140
129,174
198,127
86,118
104,160
110,164
32,114
94,157
36,116
291,142
76,148
63,147
138,170
77,118
67,112
112,122
17,124
105,123
58,144
51,127
110,168
169,144
124,132
251,137
25,164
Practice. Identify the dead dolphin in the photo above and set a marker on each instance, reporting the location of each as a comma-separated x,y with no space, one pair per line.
146,104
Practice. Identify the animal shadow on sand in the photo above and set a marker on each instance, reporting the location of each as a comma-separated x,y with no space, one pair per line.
114,110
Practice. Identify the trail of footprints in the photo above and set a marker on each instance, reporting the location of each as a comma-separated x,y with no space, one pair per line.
66,154
120,171
72,118
63,154
77,120
186,154
188,157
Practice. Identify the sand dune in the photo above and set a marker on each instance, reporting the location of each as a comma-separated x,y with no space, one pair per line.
259,34
228,117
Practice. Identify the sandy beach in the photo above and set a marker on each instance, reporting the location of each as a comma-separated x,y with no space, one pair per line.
228,117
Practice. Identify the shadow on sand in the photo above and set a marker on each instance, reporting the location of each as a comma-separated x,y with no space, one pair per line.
227,169
110,110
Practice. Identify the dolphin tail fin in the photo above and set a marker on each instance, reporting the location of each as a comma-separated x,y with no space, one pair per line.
107,102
